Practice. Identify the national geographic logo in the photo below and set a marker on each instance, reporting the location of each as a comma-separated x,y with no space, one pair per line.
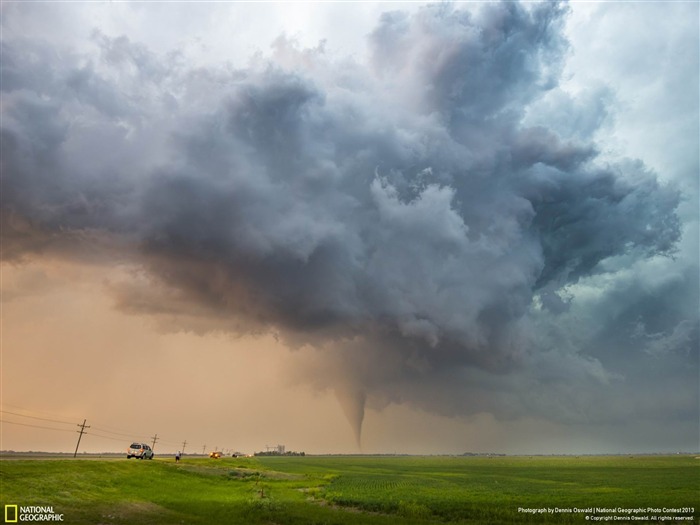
20,514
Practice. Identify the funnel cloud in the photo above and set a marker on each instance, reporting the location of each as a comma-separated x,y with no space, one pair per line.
353,405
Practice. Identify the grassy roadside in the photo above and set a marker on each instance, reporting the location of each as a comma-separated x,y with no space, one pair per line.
163,492
343,490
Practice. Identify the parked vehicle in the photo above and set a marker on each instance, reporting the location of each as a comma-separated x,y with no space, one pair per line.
139,450
216,454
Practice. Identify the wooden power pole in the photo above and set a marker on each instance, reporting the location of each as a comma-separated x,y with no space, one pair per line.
82,431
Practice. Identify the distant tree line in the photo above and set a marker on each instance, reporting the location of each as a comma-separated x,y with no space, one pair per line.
277,453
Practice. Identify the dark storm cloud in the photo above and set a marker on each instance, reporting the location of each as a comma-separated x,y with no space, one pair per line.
400,218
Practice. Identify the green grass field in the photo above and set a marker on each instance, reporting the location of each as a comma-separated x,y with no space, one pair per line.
343,490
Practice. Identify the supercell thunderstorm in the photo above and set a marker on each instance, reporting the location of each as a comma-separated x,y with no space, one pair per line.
419,220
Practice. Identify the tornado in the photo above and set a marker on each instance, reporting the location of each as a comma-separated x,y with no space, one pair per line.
352,401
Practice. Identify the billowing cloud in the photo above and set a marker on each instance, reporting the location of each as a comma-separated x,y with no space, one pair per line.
419,223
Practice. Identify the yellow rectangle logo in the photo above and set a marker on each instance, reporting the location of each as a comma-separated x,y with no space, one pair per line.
9,519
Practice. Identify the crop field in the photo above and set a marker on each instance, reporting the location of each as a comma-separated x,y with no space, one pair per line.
366,490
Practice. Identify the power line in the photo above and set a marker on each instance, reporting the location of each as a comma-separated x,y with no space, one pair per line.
112,430
104,437
130,435
103,428
34,426
35,417
37,413
106,428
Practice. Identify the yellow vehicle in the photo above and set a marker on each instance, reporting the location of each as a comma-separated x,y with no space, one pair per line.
216,454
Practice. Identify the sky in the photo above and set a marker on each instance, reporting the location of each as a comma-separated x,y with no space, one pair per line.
350,227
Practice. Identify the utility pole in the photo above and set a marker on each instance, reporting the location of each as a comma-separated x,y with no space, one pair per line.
204,449
183,447
155,438
82,431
